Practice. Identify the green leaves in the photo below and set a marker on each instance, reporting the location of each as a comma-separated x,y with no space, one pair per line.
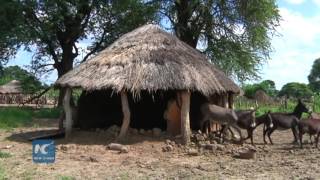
314,76
296,90
236,34
268,86
29,82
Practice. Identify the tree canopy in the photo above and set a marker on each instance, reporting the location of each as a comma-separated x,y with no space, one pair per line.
296,90
234,34
314,76
268,86
53,30
29,82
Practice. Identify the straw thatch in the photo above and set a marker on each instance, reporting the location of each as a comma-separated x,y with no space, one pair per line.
12,87
262,97
151,59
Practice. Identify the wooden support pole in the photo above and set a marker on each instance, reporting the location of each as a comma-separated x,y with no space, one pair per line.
230,100
225,101
68,111
185,119
126,115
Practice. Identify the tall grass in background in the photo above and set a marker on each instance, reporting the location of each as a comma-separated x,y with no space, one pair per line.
243,104
13,117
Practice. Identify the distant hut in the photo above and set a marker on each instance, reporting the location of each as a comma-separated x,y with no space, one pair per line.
133,80
262,97
10,92
12,87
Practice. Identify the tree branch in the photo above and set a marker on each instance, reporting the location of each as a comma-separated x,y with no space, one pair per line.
36,96
42,36
98,45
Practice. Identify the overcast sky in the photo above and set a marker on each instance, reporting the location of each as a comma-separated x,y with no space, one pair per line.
293,51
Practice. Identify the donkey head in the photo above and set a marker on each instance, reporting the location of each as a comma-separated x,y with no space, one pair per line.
301,108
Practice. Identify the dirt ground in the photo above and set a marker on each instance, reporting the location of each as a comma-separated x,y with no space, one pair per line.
85,156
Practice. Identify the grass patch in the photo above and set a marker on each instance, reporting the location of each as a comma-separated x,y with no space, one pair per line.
28,174
50,113
66,178
5,155
2,173
13,117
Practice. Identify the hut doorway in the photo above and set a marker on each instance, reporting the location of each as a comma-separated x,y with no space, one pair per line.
102,109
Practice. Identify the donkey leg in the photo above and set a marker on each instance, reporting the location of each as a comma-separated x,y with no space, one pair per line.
203,123
317,139
300,138
265,130
221,131
239,131
232,133
250,133
269,135
224,131
295,132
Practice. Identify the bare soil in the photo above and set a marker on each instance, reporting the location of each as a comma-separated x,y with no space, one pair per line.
85,156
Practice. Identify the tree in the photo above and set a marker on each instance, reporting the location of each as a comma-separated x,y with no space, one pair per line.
314,76
29,83
55,28
9,19
235,35
296,90
268,86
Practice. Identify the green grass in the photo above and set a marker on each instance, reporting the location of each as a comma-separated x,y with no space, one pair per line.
46,113
262,109
66,178
5,155
13,117
2,173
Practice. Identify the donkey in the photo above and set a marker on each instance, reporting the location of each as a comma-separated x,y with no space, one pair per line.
284,121
310,126
248,121
220,115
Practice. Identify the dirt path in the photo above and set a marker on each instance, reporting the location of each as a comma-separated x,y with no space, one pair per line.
84,156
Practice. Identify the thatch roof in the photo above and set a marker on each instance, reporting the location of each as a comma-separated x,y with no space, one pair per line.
12,87
149,58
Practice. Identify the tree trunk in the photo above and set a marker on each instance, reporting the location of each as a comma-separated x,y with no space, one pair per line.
68,111
182,28
126,115
185,119
63,67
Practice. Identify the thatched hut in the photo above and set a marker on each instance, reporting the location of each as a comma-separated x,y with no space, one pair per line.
262,97
12,87
11,92
148,64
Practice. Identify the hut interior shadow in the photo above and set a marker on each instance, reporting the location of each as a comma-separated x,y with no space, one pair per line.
102,109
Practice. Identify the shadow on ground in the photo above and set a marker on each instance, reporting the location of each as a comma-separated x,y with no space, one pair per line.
82,137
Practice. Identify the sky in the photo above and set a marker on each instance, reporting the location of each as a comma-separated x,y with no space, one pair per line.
295,47
298,45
